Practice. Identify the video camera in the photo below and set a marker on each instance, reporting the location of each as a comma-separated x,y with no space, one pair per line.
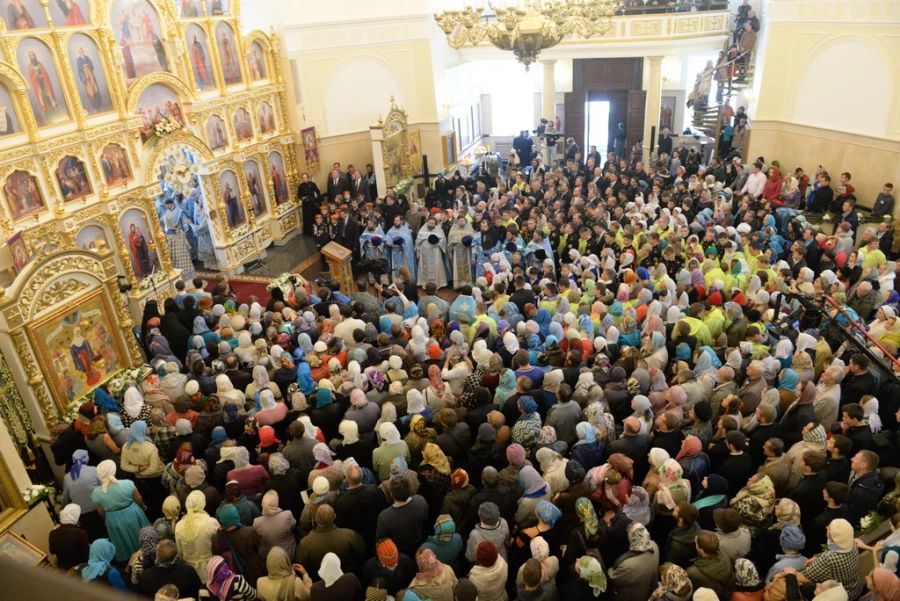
549,136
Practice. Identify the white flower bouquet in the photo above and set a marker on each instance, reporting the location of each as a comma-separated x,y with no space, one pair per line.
404,186
167,126
35,493
117,385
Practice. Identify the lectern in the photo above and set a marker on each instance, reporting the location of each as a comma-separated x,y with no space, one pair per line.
339,258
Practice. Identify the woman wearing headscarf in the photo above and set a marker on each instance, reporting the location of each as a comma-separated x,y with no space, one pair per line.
527,428
435,580
240,544
434,478
99,565
634,573
335,585
787,389
286,483
275,526
675,584
173,474
839,562
327,414
326,467
250,478
446,543
78,486
227,393
535,491
714,495
419,435
247,510
134,408
392,446
224,584
144,557
286,581
68,542
141,458
122,508
490,573
261,382
194,533
589,533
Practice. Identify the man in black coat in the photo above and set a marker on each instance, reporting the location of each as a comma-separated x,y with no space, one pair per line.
337,185
808,492
348,231
635,445
358,508
168,570
865,486
858,382
665,143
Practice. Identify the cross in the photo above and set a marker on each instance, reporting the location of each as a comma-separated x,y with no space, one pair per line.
425,176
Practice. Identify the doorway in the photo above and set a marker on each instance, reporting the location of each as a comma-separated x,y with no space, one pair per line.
598,125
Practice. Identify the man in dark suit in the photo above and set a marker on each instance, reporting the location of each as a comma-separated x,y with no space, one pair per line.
348,231
336,185
665,143
359,187
522,145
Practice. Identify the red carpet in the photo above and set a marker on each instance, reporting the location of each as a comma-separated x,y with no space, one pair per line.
244,286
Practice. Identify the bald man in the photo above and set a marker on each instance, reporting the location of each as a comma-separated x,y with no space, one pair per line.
328,538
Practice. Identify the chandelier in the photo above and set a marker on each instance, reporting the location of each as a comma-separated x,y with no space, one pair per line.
530,26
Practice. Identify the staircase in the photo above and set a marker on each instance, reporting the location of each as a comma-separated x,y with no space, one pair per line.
706,119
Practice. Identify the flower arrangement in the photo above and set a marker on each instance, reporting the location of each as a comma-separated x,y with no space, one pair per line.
117,385
404,186
35,493
289,282
241,231
869,522
167,126
153,280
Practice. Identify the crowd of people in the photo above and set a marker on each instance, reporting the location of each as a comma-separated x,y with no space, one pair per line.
614,409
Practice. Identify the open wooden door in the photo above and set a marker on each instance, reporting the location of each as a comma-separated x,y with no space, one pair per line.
574,125
634,123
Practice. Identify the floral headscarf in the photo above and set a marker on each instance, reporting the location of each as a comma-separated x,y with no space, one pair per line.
745,573
592,573
672,483
786,512
585,510
673,581
638,538
548,513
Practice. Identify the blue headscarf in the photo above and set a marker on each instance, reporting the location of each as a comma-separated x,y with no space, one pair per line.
103,399
114,424
79,458
556,330
616,309
551,340
543,320
528,405
323,398
136,433
548,513
586,325
304,378
411,312
586,432
218,435
712,356
102,554
789,381
642,273
683,352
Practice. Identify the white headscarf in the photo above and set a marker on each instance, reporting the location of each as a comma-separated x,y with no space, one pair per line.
267,400
510,342
330,569
70,514
870,408
415,402
106,471
480,352
349,429
389,433
310,431
133,402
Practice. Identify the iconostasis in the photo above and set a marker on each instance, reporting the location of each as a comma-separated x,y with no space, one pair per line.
148,134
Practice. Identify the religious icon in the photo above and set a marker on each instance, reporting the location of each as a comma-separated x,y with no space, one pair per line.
231,70
19,251
23,195
256,188
9,121
45,91
156,103
92,87
137,30
88,236
215,133
666,112
70,12
266,117
310,149
279,177
191,8
72,178
217,7
243,129
138,239
116,168
25,14
199,53
234,210
256,62
77,347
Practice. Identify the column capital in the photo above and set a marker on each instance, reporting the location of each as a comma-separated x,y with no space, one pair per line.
655,59
548,62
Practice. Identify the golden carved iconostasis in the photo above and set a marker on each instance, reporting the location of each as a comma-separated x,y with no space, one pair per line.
108,109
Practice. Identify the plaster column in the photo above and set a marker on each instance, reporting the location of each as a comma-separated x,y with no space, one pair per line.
376,134
548,93
651,113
